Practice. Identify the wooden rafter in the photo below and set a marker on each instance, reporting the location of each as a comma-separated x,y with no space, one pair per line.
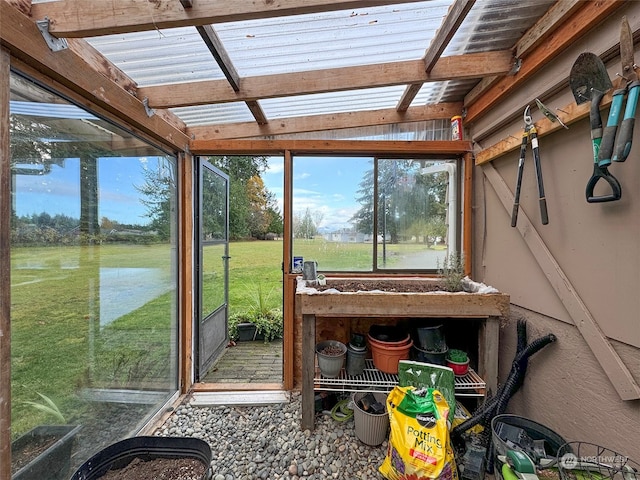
69,19
475,65
215,46
213,42
452,21
334,121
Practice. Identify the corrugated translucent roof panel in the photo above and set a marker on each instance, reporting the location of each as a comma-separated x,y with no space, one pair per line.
280,45
345,38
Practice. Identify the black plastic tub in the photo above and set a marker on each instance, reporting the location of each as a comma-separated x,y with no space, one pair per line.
54,463
120,454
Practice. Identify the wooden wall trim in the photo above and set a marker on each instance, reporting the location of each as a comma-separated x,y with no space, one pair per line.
569,114
186,259
467,214
600,346
5,270
345,147
289,280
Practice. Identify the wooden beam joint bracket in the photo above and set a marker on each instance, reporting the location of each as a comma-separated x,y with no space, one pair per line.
517,65
54,43
149,111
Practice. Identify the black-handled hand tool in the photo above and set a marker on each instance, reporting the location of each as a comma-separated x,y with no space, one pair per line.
530,134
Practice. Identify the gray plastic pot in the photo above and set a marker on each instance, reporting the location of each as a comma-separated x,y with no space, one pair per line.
331,365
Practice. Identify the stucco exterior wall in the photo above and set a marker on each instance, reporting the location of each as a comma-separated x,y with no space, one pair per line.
596,246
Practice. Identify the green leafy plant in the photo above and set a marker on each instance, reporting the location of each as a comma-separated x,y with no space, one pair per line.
268,325
457,356
48,406
452,272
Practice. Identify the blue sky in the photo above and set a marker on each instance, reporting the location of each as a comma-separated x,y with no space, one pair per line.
58,192
327,186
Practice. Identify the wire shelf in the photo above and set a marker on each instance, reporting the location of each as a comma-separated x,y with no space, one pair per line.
372,379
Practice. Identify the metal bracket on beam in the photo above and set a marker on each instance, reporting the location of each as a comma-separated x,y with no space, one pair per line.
517,64
150,111
55,44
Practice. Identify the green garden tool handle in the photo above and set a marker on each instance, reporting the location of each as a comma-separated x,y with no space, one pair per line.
609,135
625,135
599,172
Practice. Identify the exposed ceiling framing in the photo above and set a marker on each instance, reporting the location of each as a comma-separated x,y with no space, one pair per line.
479,76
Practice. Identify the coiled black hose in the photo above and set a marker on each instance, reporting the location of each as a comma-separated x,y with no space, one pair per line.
514,382
498,404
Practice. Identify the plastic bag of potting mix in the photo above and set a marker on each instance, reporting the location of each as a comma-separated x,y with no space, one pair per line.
427,375
419,444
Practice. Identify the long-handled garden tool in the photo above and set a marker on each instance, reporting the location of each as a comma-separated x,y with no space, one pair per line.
530,134
589,81
623,141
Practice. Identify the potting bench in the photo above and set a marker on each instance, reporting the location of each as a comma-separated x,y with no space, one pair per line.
486,308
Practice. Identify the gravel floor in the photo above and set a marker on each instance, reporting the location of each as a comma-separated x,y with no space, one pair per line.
268,443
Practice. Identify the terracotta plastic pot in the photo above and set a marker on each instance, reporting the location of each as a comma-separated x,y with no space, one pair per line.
387,355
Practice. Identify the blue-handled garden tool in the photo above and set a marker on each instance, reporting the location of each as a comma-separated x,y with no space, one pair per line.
616,142
589,81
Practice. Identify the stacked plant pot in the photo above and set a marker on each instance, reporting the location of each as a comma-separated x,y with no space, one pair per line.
432,346
356,355
389,345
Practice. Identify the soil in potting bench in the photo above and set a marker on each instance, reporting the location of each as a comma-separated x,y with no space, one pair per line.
331,351
383,285
159,469
22,456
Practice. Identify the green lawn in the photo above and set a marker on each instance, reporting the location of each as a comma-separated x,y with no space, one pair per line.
60,346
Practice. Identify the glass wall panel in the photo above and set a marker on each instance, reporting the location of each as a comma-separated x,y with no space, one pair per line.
416,213
372,214
93,272
333,212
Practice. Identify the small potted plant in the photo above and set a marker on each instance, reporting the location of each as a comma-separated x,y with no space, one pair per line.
331,355
322,280
458,361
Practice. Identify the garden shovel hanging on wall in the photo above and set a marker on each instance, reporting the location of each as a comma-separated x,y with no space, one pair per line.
589,81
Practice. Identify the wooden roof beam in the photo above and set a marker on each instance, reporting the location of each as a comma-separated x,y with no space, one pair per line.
334,121
354,147
476,65
69,18
20,36
457,13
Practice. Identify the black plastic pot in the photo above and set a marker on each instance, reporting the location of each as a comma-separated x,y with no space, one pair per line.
55,461
437,358
120,454
248,331
387,333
